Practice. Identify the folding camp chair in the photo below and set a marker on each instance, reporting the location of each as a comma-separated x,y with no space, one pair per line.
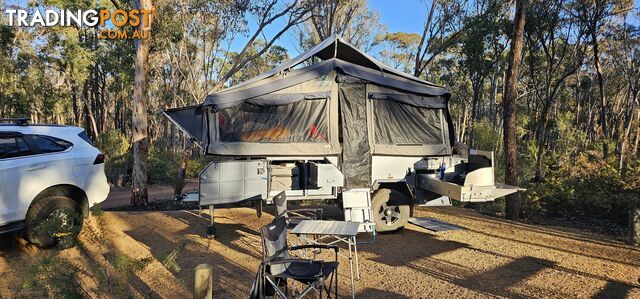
294,217
277,266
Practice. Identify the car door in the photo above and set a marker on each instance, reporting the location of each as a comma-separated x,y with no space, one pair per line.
14,163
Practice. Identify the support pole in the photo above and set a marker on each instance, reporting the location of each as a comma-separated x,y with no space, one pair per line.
211,230
634,226
203,282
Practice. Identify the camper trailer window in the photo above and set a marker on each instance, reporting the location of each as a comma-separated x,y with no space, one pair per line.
303,121
401,124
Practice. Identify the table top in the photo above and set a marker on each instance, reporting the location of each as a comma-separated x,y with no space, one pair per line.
326,227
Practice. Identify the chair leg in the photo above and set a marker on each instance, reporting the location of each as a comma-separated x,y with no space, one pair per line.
336,286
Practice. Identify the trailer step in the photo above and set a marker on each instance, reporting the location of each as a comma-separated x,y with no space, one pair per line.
434,224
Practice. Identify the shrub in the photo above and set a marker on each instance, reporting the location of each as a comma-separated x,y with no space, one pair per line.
55,277
485,137
584,186
116,147
163,165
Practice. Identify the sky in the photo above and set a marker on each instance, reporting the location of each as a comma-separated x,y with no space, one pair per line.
396,15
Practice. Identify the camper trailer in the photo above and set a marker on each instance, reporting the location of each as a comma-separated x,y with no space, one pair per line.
335,123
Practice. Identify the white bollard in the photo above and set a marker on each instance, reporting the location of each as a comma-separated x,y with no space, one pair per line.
203,282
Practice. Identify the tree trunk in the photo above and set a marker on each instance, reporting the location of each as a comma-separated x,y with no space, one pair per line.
182,174
634,226
420,53
513,201
90,119
635,147
493,98
628,122
139,111
603,98
477,94
74,101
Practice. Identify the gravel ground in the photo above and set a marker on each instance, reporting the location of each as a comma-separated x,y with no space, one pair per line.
489,257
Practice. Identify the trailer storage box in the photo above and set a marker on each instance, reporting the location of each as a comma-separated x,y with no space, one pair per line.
285,177
325,175
233,181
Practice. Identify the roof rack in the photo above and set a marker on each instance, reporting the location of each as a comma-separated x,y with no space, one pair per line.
21,121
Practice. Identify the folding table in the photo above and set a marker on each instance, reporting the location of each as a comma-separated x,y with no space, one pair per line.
331,232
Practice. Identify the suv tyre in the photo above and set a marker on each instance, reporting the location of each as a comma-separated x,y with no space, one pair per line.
54,220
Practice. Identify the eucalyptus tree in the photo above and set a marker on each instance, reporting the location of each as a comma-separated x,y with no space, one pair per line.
444,28
595,16
514,202
623,48
482,47
398,50
353,20
139,117
266,13
555,52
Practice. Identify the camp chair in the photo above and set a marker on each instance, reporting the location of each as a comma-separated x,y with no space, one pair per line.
294,217
277,266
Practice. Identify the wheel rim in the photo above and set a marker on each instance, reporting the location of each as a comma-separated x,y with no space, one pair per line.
389,214
63,220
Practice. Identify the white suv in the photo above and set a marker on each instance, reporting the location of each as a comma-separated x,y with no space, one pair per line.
49,177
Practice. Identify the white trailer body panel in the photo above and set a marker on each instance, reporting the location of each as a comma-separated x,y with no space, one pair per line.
233,181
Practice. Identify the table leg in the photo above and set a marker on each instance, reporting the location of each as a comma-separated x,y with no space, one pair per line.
353,289
355,249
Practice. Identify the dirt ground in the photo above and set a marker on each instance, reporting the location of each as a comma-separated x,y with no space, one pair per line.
489,257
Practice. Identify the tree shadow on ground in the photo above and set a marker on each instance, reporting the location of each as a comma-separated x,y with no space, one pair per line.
500,280
614,289
562,232
230,278
407,246
375,293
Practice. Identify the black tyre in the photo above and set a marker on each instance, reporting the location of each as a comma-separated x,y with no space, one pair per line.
390,210
54,221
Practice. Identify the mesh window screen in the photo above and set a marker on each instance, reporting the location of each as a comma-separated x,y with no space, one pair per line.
303,121
402,124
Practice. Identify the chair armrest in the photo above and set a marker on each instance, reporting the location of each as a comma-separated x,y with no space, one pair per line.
318,246
291,261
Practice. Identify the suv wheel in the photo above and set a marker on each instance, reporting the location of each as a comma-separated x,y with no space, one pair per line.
54,221
390,210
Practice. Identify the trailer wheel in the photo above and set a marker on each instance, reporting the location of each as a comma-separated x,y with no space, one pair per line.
390,210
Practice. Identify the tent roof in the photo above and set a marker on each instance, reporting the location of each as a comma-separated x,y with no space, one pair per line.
336,53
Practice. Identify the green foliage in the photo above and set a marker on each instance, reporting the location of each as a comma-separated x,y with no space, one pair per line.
399,50
485,137
495,208
583,186
273,57
116,147
171,260
55,277
126,266
163,165
114,143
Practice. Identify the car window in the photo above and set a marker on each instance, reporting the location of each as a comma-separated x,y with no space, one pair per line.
86,138
48,144
11,147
